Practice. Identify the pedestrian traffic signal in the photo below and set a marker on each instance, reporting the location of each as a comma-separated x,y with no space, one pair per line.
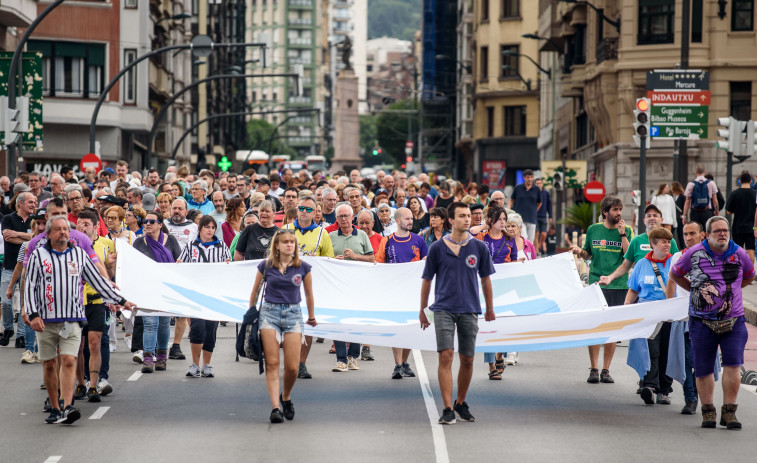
730,134
376,151
750,138
641,122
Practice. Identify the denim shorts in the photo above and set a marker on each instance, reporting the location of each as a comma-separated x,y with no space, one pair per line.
284,318
445,325
705,343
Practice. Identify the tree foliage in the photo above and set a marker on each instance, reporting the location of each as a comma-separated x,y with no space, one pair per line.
392,131
259,132
394,18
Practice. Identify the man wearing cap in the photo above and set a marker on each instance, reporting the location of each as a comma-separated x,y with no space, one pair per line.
264,186
476,214
639,246
148,201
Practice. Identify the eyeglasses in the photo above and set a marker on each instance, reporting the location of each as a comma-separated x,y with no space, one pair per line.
305,209
111,217
75,199
151,221
723,231
285,230
343,216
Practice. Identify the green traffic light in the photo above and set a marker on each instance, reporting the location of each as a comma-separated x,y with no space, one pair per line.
375,152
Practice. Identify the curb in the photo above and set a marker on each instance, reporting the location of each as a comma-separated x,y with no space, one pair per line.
750,312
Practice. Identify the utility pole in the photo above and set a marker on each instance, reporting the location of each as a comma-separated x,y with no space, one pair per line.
683,159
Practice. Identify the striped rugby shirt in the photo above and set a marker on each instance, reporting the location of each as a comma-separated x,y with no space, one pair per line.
54,284
197,252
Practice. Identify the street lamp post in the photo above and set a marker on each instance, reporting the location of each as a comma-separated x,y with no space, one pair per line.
177,95
199,42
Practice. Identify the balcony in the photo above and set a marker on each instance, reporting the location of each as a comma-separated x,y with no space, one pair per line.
300,60
301,22
300,42
300,4
300,100
607,48
17,13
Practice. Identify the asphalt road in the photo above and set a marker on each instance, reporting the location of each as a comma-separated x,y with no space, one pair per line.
543,411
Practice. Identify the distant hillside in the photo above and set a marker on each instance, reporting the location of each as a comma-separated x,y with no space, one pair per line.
394,18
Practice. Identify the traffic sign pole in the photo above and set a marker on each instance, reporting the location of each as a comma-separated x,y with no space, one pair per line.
642,180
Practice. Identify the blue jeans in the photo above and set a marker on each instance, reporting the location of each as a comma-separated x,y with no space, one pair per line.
689,385
30,337
489,356
157,331
341,350
7,306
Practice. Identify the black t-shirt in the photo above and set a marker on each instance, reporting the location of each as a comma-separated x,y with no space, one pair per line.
551,244
742,203
443,203
13,222
420,224
255,241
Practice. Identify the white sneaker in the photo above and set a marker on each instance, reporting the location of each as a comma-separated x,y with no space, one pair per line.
138,357
207,371
512,358
36,357
113,346
194,371
104,387
352,364
127,341
28,357
340,366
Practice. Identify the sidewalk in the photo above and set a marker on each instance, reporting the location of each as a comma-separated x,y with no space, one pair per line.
750,310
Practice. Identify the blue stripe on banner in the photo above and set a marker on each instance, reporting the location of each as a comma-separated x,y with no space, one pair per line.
542,345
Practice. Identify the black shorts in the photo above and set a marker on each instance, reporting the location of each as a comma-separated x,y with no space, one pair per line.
745,240
96,315
614,297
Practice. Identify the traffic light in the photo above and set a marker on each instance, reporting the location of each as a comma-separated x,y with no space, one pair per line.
641,121
730,134
409,159
750,139
377,151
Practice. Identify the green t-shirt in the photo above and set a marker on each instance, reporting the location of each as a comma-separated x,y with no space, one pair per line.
606,248
234,245
639,247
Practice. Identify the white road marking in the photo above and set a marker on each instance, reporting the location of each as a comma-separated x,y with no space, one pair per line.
99,413
135,376
749,388
54,458
437,433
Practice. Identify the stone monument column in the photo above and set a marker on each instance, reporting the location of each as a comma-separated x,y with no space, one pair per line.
347,124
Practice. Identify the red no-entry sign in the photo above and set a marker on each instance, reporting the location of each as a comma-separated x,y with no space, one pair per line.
594,192
91,160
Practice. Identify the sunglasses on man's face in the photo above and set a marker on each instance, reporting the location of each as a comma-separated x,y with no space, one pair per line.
305,209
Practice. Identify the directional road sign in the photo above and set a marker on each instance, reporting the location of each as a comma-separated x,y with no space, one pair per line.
676,115
673,132
696,97
678,79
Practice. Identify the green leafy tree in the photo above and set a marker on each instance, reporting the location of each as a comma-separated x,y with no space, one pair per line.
260,131
392,131
394,18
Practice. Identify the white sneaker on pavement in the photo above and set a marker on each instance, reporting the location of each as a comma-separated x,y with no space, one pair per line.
352,364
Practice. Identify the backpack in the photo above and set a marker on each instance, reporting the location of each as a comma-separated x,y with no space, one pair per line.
700,196
248,338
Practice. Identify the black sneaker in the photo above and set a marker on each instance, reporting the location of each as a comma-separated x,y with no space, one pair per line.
448,416
277,416
690,408
397,374
5,338
641,387
365,354
92,395
593,376
407,371
288,408
647,395
47,408
462,412
80,393
303,372
175,353
604,377
69,415
20,343
55,415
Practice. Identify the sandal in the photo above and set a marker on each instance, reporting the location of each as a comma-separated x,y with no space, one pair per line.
332,350
495,375
500,365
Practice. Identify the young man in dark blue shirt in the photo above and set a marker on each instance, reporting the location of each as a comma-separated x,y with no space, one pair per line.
457,261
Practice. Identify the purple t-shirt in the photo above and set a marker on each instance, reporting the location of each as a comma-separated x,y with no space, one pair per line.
76,238
456,287
283,288
715,281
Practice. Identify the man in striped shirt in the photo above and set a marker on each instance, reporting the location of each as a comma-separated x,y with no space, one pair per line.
53,295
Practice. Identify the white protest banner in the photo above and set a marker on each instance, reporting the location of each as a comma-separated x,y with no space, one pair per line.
360,299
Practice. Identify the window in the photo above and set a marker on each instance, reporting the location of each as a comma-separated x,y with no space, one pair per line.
71,69
510,60
484,10
130,79
489,122
131,4
510,9
515,121
696,21
484,60
741,100
742,17
579,44
656,21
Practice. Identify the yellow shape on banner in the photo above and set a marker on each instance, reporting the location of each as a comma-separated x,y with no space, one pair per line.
610,326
